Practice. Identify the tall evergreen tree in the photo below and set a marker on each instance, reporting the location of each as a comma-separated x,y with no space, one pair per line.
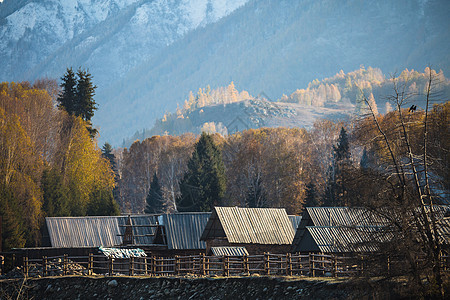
102,203
336,193
204,183
311,199
13,231
85,103
155,200
68,97
77,96
55,194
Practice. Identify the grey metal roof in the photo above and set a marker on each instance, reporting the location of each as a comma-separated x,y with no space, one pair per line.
332,239
183,230
250,225
295,220
343,216
73,232
335,216
230,251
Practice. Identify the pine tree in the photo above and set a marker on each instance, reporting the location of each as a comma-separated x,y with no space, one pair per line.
85,99
364,163
336,193
155,200
55,194
67,98
311,199
203,185
102,203
85,103
77,97
13,231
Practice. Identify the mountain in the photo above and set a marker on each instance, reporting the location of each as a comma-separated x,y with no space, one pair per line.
276,47
146,56
42,38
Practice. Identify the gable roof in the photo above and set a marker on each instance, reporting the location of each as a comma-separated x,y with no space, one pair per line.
250,225
334,216
333,239
74,232
183,230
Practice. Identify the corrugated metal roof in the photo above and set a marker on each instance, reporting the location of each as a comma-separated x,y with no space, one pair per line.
183,230
250,225
295,220
230,251
344,216
72,232
335,216
332,239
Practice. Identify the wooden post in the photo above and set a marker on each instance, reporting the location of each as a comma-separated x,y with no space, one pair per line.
312,270
130,266
202,264
2,262
246,270
388,265
110,266
227,265
90,263
266,263
176,265
65,264
25,266
44,266
288,265
335,266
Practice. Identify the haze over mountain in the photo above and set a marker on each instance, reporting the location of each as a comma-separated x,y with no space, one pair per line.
146,56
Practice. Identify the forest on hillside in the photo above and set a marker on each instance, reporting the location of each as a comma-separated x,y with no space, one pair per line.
342,92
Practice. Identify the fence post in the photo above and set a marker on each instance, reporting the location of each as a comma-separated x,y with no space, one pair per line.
176,265
25,266
130,266
288,265
312,271
110,266
202,264
246,270
44,266
65,264
90,263
2,264
266,263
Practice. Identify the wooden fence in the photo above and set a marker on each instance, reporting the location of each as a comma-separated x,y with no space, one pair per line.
311,265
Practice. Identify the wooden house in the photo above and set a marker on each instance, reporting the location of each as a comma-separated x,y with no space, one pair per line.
259,230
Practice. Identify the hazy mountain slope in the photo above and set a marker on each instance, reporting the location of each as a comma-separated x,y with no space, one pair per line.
277,47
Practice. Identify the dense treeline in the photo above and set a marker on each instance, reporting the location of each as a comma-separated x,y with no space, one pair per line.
50,164
267,167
